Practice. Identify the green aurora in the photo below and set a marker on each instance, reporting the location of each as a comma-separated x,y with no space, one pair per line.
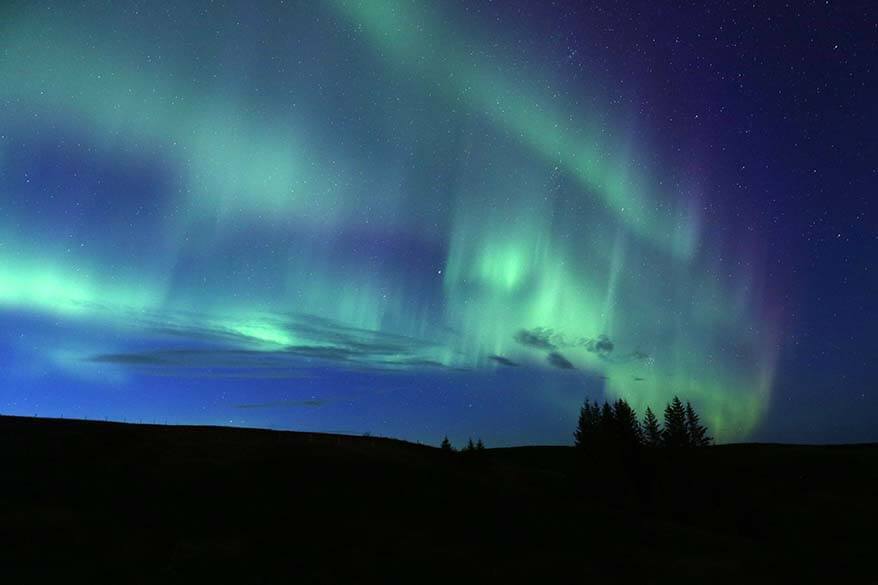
391,176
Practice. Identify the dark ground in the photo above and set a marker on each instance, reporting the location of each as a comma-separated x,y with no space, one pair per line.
106,502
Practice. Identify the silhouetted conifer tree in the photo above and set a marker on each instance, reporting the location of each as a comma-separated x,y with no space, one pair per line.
626,430
479,445
607,425
583,426
470,446
696,431
588,427
446,444
675,433
652,434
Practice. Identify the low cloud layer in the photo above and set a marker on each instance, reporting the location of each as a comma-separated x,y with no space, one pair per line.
274,346
546,339
559,361
503,361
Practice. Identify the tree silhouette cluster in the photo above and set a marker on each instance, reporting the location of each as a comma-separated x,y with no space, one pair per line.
617,426
470,446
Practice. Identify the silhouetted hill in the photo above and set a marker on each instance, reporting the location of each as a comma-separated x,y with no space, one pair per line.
94,501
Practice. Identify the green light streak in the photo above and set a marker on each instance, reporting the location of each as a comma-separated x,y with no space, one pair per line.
618,261
415,39
233,163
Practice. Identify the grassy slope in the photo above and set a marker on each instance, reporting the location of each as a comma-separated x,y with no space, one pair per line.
83,501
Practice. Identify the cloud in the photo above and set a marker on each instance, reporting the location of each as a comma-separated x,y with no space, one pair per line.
230,373
600,345
559,361
503,361
634,356
603,345
325,352
287,345
538,338
239,349
417,362
548,339
195,358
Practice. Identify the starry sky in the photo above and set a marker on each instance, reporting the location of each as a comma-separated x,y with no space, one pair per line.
415,218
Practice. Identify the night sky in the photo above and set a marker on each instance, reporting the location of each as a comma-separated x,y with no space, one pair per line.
416,218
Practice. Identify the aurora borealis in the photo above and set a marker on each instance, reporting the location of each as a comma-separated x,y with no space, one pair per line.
408,218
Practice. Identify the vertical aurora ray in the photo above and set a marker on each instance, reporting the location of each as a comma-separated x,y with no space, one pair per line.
420,43
413,207
512,269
